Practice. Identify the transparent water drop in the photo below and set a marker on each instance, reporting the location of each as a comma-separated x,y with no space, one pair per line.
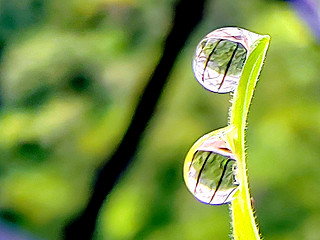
220,56
210,173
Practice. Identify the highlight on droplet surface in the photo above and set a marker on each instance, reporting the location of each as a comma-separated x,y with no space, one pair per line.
210,170
220,56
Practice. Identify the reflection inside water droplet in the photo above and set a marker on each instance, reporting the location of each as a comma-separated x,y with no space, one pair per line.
210,175
220,57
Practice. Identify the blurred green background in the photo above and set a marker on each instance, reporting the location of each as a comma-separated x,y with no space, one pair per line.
71,73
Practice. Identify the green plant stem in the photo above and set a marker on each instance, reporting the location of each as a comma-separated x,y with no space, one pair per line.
243,221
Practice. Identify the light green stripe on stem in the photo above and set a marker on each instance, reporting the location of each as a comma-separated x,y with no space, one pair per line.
243,221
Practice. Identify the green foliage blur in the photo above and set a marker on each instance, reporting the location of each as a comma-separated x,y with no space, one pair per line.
71,73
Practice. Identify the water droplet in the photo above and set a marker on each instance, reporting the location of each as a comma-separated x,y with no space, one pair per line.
210,170
220,57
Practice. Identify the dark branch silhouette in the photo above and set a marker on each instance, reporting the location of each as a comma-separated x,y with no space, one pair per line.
187,14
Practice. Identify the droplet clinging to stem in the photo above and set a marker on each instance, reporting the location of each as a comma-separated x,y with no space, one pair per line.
210,169
220,56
